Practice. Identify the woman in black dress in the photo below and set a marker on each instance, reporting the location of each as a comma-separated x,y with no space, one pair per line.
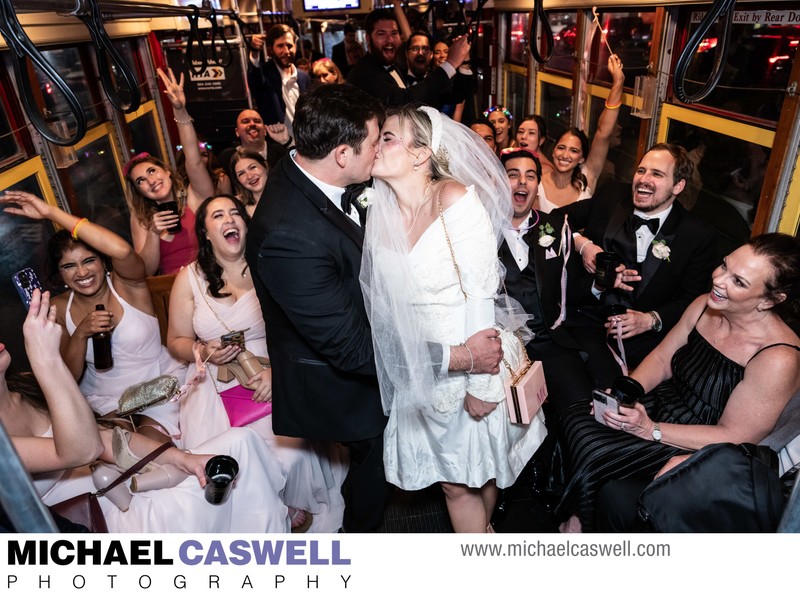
723,374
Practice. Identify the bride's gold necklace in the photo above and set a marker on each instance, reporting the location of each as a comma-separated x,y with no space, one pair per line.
423,203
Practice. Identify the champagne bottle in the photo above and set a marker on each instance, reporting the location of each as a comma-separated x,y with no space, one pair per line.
101,343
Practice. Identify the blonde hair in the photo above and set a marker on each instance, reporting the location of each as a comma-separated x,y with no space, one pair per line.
327,65
422,136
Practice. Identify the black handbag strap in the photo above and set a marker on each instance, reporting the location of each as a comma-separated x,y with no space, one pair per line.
135,468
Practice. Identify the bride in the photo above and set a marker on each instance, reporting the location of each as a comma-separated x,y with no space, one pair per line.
430,276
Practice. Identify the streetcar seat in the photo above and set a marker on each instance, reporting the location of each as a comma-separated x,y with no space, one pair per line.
160,287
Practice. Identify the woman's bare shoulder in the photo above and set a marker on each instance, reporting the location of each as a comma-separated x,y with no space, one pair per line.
451,192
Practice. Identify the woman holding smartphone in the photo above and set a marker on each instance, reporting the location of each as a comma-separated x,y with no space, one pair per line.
57,439
98,267
162,208
213,306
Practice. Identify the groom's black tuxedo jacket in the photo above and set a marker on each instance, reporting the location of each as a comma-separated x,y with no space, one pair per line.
305,255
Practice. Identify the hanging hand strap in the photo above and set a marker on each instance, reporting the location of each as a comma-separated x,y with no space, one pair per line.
22,48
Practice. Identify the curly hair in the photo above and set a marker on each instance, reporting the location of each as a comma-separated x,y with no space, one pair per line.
206,259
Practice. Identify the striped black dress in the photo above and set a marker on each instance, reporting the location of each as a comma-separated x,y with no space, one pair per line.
702,382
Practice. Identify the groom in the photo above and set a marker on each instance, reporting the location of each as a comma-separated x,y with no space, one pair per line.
305,254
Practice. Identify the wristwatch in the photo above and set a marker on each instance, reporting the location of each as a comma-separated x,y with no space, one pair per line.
657,325
656,433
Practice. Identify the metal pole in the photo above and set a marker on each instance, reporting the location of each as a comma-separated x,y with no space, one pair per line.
22,504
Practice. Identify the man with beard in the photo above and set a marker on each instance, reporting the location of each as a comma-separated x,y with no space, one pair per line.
376,74
276,85
652,233
252,135
418,57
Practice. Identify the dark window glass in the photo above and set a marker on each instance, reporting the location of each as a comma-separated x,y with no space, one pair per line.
10,150
763,44
557,112
518,37
727,181
629,34
127,47
145,135
24,244
516,95
565,34
621,158
96,184
67,62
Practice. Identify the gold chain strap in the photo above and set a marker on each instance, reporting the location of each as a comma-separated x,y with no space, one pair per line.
449,243
514,376
203,293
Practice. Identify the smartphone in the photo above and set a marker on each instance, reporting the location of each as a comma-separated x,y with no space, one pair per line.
25,282
236,338
603,402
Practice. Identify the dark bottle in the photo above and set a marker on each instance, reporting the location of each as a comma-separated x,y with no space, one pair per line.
101,342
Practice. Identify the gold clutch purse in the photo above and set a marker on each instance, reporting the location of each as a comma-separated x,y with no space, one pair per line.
138,397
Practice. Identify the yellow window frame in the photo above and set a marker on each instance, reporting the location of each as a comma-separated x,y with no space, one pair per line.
144,109
33,166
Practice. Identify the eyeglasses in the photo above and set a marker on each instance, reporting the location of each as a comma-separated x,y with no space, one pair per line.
420,49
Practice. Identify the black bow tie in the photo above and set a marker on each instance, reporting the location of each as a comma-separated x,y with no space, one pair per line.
637,221
350,197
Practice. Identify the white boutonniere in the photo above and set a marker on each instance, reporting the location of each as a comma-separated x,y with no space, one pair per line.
546,237
661,249
366,198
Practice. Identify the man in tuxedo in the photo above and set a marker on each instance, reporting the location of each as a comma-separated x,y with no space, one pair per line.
276,84
376,74
304,249
532,253
652,233
252,135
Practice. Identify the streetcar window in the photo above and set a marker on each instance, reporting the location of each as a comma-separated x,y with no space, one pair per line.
565,33
10,149
97,187
630,36
68,62
518,37
144,135
756,73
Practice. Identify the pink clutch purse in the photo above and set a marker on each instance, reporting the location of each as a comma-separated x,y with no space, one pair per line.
241,409
526,390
